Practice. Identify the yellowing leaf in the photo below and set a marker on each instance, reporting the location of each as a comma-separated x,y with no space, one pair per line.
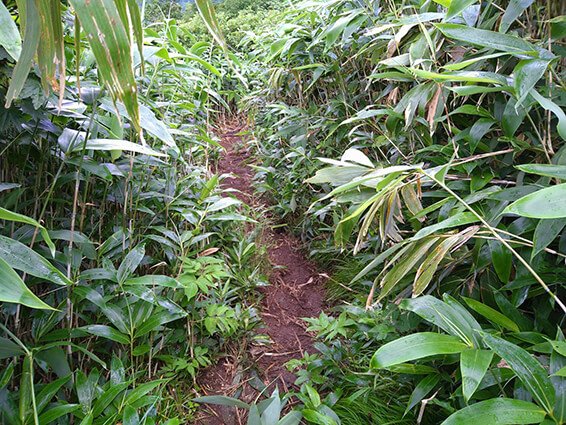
110,43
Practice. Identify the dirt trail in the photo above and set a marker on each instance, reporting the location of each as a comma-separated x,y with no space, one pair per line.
296,291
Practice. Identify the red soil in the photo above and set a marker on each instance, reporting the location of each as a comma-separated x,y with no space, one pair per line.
296,291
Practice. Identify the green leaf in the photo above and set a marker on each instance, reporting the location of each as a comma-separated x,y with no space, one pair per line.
206,11
222,401
154,280
492,315
470,90
546,232
465,316
422,389
513,117
502,260
544,203
7,374
8,186
314,396
456,220
222,204
557,369
461,76
559,347
415,346
48,392
67,344
156,320
26,388
12,216
30,16
340,26
84,244
533,376
86,388
292,418
130,416
461,65
412,369
9,36
14,290
360,178
363,115
377,261
497,411
513,11
547,170
335,29
24,259
473,366
111,46
315,417
114,314
137,26
271,410
88,419
107,332
57,412
527,73
143,389
201,61
549,105
8,349
512,312
457,6
149,122
490,39
113,144
104,400
338,176
131,263
455,322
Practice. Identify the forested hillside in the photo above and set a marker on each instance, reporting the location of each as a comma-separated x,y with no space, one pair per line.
282,212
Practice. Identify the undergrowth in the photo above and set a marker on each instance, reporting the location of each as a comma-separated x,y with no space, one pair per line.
416,146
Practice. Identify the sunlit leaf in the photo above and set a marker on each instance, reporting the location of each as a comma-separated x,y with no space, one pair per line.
473,366
457,322
527,73
23,258
9,36
489,39
498,411
545,203
416,346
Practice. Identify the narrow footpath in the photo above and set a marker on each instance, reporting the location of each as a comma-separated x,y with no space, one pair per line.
296,291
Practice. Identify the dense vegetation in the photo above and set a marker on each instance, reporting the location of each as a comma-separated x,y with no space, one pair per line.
417,148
